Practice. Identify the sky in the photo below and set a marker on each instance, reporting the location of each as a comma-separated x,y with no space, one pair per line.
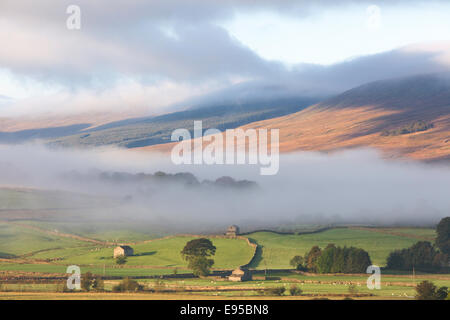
153,55
335,35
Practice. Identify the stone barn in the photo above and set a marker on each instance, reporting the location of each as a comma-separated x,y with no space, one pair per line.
232,231
123,251
240,274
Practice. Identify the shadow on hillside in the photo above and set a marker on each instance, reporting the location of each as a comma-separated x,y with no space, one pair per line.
4,255
145,254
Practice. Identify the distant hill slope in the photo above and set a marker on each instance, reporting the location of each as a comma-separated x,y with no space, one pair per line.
402,117
407,117
145,131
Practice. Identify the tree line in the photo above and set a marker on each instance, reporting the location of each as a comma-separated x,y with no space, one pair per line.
333,259
424,255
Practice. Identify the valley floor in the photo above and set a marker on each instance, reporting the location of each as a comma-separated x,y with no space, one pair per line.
34,260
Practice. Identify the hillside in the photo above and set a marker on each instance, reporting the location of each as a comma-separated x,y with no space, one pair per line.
132,132
408,117
44,250
277,249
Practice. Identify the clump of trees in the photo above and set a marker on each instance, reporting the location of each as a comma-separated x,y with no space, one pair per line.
421,256
295,290
334,259
128,285
297,263
276,291
417,126
89,282
443,235
197,253
424,255
343,260
426,290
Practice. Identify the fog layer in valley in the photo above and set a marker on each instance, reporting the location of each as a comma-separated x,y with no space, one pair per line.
311,188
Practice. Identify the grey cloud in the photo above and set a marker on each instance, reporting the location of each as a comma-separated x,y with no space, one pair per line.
323,81
125,11
125,38
345,75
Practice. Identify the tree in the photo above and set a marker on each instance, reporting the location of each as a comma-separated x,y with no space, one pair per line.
426,290
422,256
276,291
340,258
200,266
442,293
86,281
395,260
360,260
197,252
440,260
325,261
121,260
98,284
201,247
312,257
343,260
295,290
128,285
297,262
443,235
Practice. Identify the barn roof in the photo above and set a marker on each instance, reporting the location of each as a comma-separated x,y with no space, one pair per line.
125,247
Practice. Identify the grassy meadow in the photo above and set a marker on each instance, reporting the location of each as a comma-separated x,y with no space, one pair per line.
16,241
164,252
40,249
277,249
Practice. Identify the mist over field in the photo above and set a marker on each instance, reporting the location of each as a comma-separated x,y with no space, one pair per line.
311,188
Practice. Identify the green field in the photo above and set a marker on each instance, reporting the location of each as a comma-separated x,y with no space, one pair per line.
33,248
275,249
230,253
104,231
42,251
278,249
58,251
17,241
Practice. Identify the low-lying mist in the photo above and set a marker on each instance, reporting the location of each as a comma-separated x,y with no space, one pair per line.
351,187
